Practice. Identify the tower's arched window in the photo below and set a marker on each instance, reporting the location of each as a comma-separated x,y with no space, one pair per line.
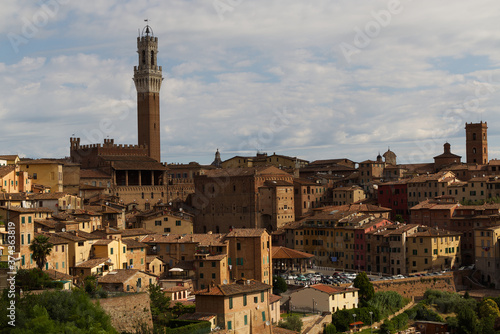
484,136
152,57
473,136
474,150
143,57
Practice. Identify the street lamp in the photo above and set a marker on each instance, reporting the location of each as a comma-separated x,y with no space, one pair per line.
371,322
354,315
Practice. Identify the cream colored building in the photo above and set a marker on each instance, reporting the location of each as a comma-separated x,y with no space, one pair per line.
45,172
115,250
488,254
13,180
323,298
241,307
430,249
347,195
165,222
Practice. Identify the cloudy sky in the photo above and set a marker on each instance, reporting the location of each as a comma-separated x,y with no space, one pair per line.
314,79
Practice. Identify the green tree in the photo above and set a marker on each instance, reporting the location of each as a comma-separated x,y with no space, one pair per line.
279,285
366,290
34,279
41,248
468,322
160,306
56,312
488,309
330,329
292,322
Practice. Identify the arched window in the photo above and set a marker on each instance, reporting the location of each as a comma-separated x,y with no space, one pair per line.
474,150
473,136
143,57
152,57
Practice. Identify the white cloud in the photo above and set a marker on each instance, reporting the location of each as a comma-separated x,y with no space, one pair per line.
430,70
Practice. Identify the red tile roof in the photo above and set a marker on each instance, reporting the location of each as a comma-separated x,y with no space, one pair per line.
288,253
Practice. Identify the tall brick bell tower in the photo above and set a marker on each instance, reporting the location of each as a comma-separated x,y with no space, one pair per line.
147,79
476,143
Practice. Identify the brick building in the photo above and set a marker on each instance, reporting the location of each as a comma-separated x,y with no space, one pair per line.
256,197
394,195
476,143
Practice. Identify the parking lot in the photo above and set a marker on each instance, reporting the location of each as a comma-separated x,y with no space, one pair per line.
338,278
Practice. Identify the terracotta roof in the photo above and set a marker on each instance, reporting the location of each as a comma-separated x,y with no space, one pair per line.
26,210
433,205
41,162
425,231
9,156
288,253
93,174
176,289
51,195
122,162
103,242
330,289
117,276
50,223
86,235
4,170
70,236
202,239
246,232
234,288
200,316
330,161
350,188
277,183
57,275
92,263
53,239
273,298
13,196
131,243
132,232
151,258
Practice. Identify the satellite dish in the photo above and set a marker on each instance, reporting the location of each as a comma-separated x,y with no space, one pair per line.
267,323
224,281
63,229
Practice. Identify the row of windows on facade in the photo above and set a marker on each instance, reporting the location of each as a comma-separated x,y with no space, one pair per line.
12,183
111,250
159,222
